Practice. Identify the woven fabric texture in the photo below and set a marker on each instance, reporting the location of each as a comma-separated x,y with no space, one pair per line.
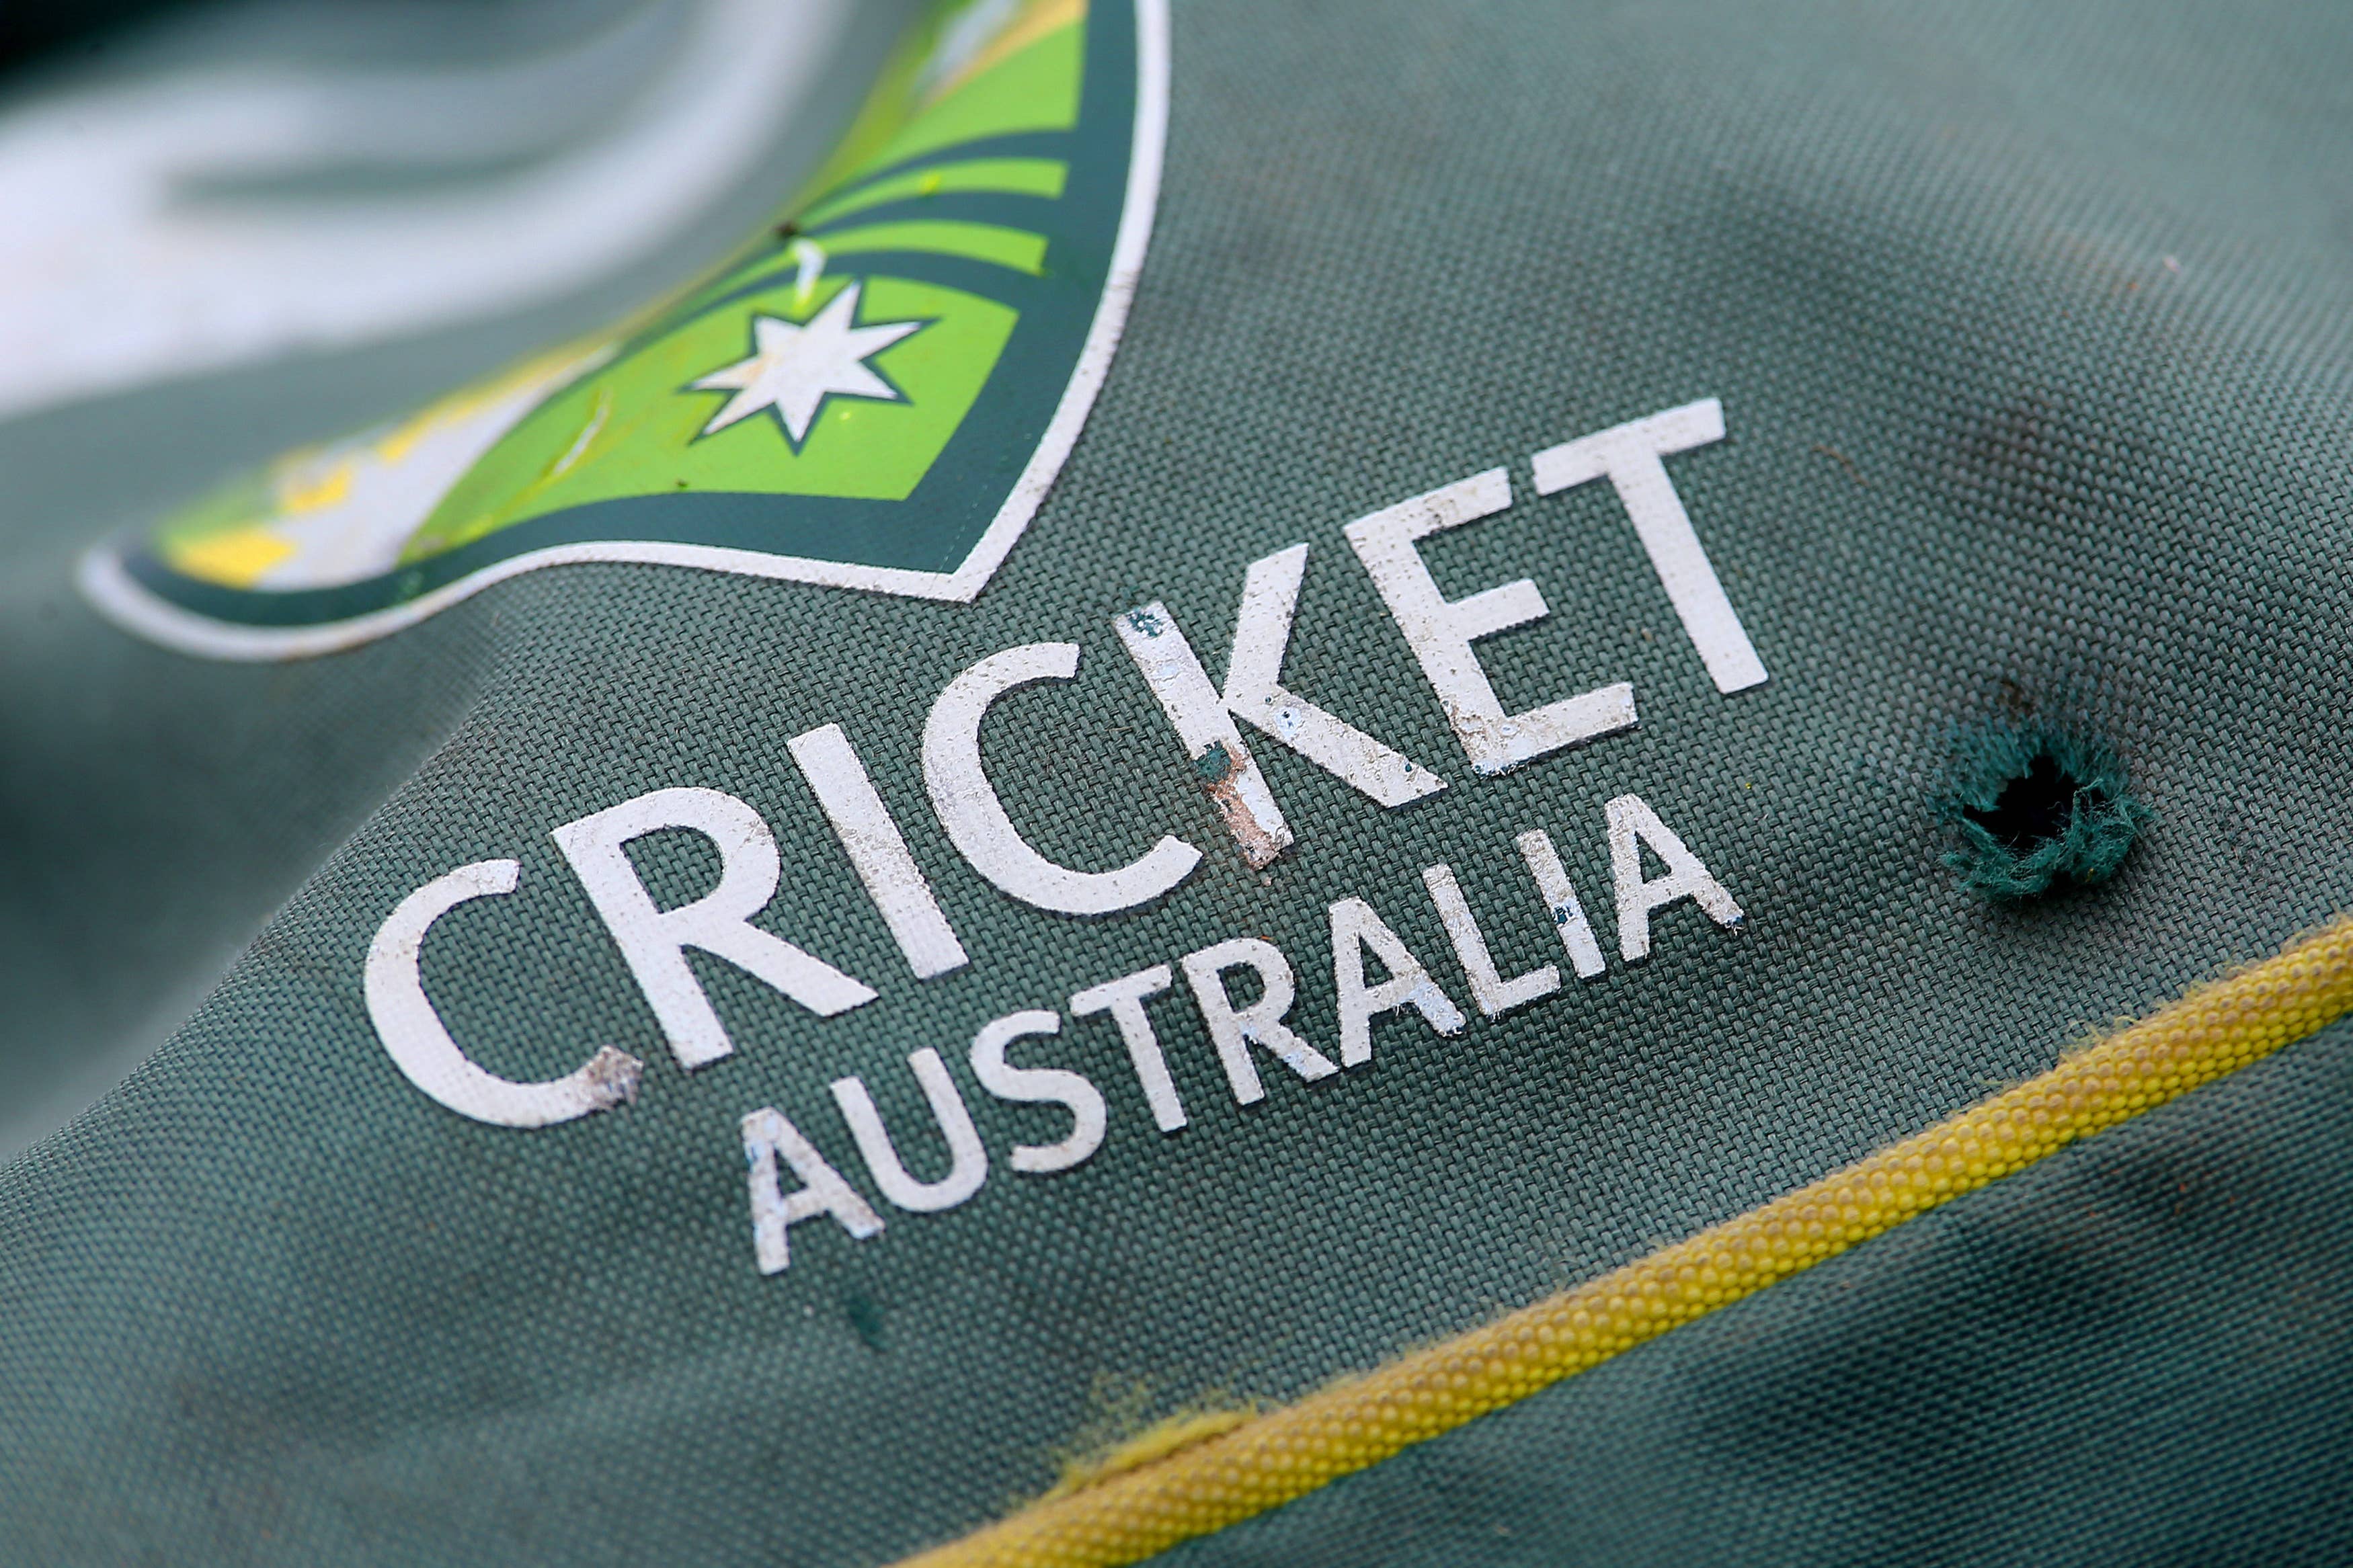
2129,1354
2028,321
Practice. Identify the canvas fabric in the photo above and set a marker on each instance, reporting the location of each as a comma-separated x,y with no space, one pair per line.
2028,322
2129,1353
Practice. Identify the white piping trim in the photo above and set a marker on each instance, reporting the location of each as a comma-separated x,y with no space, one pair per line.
114,593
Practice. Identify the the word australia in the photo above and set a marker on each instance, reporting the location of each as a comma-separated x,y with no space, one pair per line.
1207,719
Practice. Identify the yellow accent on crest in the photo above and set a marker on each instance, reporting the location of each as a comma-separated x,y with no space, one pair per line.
311,490
1036,20
233,560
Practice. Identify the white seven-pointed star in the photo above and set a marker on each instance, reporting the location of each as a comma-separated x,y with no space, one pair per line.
794,369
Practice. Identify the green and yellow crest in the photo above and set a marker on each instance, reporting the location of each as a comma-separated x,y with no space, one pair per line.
875,394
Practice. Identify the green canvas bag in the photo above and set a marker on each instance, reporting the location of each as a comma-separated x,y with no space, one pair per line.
1374,783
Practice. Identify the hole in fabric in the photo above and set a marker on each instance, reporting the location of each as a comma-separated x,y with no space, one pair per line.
2036,807
2030,810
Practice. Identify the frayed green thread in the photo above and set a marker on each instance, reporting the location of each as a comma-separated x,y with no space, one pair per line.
2082,840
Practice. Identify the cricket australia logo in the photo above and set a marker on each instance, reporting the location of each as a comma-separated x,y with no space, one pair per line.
875,394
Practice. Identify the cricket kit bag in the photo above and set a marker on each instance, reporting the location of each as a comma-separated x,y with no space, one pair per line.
1399,783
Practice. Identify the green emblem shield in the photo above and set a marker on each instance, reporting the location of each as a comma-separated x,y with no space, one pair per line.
875,394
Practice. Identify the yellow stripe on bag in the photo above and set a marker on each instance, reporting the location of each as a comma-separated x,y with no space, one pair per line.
1266,1460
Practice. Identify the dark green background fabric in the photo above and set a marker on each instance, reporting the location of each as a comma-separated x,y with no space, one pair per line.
1989,451
2133,1353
